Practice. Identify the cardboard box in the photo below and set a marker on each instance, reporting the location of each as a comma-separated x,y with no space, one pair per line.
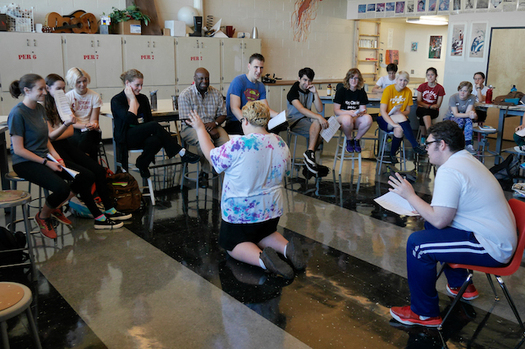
127,28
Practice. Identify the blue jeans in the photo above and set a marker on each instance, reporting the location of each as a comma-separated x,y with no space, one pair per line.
425,248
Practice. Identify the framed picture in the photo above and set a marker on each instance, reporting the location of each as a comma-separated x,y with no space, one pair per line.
458,40
478,36
434,47
413,47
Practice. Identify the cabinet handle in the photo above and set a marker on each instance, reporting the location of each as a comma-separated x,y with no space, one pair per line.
92,43
153,44
240,45
149,42
28,44
34,42
245,46
98,43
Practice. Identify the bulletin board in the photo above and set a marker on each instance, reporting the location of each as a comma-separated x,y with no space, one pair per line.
506,68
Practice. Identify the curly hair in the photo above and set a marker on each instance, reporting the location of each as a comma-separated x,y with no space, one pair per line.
449,132
49,102
257,113
351,73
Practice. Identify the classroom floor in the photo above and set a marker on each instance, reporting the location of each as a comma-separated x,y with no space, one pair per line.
163,282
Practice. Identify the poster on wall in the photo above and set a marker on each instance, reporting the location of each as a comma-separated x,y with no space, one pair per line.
432,6
390,9
421,4
521,5
482,5
444,7
380,10
400,8
434,47
457,42
413,47
478,34
361,11
371,10
469,6
510,5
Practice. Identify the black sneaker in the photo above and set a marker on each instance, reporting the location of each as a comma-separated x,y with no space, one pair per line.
189,157
309,161
393,159
294,253
118,216
275,264
108,224
144,172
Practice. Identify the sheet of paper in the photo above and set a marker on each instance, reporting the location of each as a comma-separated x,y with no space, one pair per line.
329,132
71,172
64,110
395,109
395,203
521,132
277,120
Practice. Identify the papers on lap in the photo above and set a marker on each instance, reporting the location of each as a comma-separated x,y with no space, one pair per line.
333,126
395,203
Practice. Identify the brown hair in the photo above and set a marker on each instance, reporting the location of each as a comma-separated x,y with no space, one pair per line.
257,113
131,75
28,80
351,73
49,102
467,84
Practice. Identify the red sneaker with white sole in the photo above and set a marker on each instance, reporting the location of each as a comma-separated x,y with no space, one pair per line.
406,316
470,293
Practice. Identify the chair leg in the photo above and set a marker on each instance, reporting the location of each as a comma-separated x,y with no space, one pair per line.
510,301
456,299
496,297
5,339
33,329
151,192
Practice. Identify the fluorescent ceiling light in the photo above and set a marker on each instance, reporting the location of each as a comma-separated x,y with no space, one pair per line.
429,20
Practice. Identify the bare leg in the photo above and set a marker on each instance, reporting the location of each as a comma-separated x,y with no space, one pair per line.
246,252
428,122
315,128
362,124
275,241
347,124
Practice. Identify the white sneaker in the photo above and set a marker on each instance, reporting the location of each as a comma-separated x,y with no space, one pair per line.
470,149
520,148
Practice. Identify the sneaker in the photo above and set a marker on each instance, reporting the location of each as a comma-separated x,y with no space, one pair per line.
470,149
118,216
357,145
520,148
189,157
393,159
420,150
203,179
295,255
46,226
275,264
470,293
59,216
350,145
108,224
406,316
144,172
309,161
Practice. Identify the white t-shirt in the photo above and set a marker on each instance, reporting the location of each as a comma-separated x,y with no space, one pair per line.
384,81
465,184
483,92
83,105
254,167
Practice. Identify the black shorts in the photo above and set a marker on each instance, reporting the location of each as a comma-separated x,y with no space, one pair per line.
232,234
420,112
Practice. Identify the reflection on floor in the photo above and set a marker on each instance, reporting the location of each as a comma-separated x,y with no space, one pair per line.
163,282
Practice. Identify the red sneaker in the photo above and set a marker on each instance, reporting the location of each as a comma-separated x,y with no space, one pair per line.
46,226
470,293
406,316
59,215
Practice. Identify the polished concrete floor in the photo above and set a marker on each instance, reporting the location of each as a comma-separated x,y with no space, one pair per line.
163,282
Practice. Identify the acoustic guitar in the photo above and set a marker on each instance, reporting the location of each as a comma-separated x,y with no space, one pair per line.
84,23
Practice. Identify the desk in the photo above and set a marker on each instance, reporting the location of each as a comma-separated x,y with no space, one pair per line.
504,111
164,113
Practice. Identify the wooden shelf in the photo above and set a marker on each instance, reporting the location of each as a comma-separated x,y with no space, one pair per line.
367,60
374,35
368,48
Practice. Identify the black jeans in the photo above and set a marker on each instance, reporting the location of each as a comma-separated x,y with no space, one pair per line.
87,141
151,137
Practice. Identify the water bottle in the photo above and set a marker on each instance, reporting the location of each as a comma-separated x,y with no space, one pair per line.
488,96
513,89
153,97
329,90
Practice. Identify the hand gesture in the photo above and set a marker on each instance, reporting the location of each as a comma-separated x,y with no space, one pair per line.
400,186
129,93
195,121
323,122
520,127
312,88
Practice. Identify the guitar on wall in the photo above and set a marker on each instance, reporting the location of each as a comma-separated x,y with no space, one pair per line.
77,22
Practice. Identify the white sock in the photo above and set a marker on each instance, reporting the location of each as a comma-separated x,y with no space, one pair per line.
261,263
182,152
285,251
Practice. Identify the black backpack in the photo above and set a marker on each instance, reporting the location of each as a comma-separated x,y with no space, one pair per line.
9,241
506,171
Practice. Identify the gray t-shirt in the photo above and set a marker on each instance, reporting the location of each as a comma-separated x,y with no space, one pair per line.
306,99
32,126
462,105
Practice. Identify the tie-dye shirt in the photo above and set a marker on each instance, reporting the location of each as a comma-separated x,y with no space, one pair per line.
254,166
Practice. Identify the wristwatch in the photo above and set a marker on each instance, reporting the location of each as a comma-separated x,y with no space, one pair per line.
45,162
216,123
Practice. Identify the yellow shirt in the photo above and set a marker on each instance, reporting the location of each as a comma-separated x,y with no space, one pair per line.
391,97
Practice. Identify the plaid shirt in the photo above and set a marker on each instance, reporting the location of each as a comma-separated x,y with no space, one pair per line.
209,108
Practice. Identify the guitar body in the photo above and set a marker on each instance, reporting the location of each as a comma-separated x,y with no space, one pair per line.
76,14
89,24
57,23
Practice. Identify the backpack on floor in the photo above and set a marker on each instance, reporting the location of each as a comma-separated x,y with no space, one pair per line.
9,241
506,171
125,191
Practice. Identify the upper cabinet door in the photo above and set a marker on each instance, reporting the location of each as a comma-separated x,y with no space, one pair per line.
153,56
25,53
210,51
187,51
231,58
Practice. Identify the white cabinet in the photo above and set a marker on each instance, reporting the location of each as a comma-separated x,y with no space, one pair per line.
99,55
235,56
24,53
276,96
193,53
153,56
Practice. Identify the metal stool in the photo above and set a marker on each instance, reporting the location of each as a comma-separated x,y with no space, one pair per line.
14,299
14,179
340,154
483,142
295,164
382,144
10,199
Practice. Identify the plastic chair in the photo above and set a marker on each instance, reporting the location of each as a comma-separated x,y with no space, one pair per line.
518,208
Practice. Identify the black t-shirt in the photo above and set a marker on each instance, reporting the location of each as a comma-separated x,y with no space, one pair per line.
350,100
296,93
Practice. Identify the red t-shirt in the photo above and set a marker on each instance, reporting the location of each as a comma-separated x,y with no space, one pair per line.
430,94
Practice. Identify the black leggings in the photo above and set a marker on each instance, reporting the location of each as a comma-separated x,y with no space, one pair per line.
87,141
55,182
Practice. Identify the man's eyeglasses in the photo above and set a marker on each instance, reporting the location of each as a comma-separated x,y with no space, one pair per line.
429,143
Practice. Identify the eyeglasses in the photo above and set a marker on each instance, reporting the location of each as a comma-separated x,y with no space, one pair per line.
429,143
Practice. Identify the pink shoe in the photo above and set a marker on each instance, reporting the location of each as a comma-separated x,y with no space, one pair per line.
406,316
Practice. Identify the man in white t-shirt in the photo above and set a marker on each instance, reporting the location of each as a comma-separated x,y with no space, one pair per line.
469,222
386,80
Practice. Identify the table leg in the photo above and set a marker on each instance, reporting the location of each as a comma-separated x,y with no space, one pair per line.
499,140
